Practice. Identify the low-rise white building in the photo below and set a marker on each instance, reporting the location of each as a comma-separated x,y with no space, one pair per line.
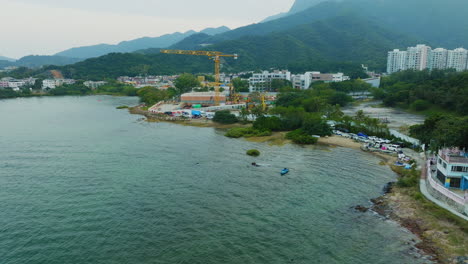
304,81
261,82
16,84
54,83
94,85
452,168
4,84
48,84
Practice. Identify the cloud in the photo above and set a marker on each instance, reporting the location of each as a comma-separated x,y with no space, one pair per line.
50,26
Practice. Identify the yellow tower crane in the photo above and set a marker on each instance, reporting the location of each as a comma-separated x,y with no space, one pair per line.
214,55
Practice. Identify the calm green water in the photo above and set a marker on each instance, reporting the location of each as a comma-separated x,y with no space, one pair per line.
82,182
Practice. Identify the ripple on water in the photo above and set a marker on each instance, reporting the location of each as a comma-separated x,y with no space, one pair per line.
92,185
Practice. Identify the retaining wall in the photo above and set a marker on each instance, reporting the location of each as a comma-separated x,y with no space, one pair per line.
443,194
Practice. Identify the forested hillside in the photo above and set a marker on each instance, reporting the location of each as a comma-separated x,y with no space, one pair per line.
421,90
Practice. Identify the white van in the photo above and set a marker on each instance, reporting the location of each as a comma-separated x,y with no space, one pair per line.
210,115
395,148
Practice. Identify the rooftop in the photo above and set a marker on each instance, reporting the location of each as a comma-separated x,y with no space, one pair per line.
454,155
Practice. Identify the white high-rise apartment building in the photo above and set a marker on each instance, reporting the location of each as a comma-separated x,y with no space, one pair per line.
457,59
397,60
422,57
438,59
418,57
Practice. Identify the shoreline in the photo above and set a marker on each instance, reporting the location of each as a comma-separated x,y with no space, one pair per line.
394,204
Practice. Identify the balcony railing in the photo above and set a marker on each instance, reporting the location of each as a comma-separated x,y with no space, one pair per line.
452,158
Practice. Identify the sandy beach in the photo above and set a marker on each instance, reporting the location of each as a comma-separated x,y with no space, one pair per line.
338,141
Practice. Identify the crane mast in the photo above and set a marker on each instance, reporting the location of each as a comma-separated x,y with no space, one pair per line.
214,55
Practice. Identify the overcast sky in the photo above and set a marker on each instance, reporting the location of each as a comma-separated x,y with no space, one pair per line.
46,27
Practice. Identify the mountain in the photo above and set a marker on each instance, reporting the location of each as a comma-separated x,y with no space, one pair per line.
5,63
346,38
420,19
163,41
274,17
340,43
301,5
298,6
320,12
2,58
215,31
195,41
35,61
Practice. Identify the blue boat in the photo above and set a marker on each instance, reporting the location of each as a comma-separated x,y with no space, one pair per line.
284,171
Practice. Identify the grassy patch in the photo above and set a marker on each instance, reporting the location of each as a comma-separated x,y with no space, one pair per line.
408,178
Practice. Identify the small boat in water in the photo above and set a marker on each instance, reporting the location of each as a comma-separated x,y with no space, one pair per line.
284,171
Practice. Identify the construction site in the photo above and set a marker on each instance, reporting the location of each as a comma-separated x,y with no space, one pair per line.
204,104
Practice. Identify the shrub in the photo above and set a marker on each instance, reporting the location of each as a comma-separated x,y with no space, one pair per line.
253,152
408,178
122,107
236,132
420,105
225,117
239,132
406,182
268,123
300,137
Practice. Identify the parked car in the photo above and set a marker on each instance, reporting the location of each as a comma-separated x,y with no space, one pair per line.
395,148
337,132
342,129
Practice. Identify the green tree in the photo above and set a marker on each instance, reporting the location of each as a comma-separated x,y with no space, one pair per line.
185,82
313,124
240,85
268,123
243,114
152,95
301,137
277,84
225,117
420,105
257,111
37,84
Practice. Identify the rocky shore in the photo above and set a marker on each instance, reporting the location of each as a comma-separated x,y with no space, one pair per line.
441,238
